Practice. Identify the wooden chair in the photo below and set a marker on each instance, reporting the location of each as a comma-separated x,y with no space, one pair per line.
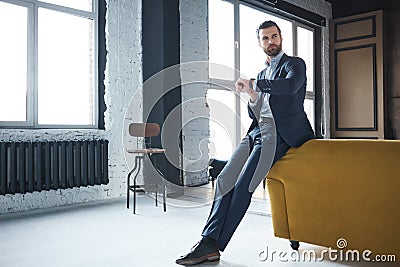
143,132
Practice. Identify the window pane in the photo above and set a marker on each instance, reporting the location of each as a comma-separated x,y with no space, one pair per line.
305,43
13,63
252,57
85,5
222,123
65,69
221,40
309,109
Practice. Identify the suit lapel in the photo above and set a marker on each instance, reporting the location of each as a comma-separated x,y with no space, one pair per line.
277,69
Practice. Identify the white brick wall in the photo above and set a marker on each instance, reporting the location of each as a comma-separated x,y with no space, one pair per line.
194,68
194,47
123,79
123,82
324,9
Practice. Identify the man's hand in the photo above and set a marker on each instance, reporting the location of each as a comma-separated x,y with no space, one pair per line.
245,86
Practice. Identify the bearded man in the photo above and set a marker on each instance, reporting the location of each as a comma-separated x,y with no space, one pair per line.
276,106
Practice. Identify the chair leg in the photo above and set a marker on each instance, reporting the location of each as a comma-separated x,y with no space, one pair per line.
264,182
163,187
164,198
128,190
129,183
134,196
138,164
156,196
295,244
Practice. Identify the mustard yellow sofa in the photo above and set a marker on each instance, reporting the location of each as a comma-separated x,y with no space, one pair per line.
331,189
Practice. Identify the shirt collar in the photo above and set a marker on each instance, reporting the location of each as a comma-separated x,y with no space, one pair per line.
275,59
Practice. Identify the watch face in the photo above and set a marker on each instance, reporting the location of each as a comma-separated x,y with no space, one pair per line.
252,83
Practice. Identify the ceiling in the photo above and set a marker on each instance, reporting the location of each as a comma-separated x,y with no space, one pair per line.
342,8
363,3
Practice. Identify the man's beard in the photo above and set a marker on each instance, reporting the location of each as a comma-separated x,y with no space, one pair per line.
273,52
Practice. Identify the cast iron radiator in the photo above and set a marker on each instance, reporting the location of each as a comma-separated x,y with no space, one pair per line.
36,166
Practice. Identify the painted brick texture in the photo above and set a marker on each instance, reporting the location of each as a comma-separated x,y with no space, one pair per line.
123,80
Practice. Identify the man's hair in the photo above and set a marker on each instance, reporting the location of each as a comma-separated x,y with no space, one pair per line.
267,24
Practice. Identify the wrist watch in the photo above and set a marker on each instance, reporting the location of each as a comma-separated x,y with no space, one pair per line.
251,83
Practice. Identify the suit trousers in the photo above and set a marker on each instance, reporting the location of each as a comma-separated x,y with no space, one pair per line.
247,167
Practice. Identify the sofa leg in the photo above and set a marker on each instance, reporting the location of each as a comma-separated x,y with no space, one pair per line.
294,244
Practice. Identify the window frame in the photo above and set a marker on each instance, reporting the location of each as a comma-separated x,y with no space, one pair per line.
310,95
296,22
32,65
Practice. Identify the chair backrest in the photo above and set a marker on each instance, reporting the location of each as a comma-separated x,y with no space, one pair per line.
144,129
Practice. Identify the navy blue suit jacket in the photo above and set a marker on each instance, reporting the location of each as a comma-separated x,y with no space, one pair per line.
287,92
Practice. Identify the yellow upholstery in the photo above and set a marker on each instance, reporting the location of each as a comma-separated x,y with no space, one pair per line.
331,189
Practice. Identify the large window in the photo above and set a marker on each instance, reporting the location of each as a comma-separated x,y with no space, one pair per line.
233,43
48,64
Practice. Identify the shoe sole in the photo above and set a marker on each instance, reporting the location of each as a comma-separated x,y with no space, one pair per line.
209,258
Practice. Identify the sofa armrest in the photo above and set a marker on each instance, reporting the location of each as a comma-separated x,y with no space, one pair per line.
280,219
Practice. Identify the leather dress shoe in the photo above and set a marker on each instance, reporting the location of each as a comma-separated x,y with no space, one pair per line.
204,250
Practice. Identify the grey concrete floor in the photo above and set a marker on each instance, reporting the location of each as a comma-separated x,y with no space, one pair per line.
107,234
